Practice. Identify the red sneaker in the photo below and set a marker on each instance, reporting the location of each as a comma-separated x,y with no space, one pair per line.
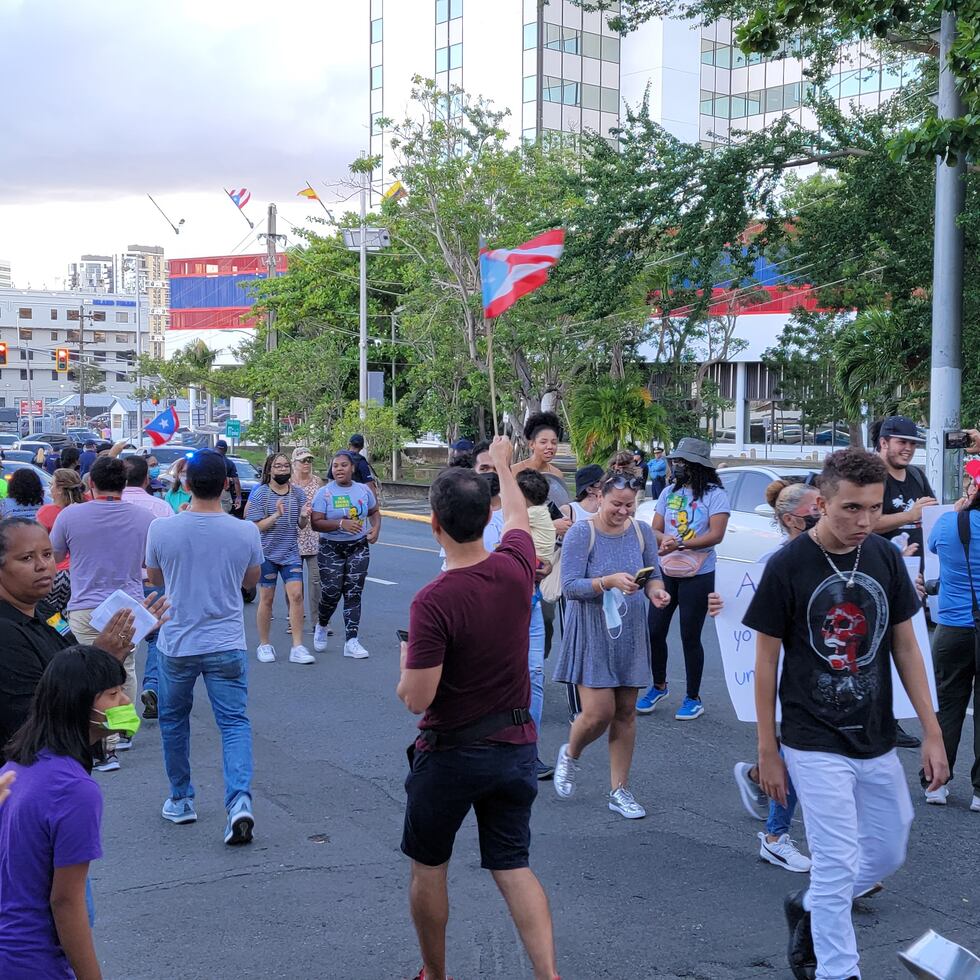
421,975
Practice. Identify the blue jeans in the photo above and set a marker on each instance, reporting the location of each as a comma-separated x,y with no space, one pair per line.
151,671
225,675
535,663
780,817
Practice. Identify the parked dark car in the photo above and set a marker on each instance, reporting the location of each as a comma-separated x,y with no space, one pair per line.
80,436
57,440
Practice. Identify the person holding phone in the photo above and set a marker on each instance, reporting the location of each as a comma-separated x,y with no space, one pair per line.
347,516
606,646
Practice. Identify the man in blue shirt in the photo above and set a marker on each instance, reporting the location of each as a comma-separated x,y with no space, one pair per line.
205,637
657,470
87,458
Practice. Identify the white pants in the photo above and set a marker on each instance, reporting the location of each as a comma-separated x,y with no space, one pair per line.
858,813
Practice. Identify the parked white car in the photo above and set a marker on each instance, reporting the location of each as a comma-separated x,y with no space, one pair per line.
752,531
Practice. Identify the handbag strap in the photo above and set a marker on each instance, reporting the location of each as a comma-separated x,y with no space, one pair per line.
963,529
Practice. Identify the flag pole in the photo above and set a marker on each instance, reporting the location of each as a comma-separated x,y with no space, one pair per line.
488,326
238,209
318,201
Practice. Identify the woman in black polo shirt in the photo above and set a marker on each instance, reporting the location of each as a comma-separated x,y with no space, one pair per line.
31,635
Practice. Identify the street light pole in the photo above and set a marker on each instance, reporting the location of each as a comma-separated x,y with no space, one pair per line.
947,285
362,351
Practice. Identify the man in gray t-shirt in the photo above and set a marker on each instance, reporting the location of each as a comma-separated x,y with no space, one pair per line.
206,557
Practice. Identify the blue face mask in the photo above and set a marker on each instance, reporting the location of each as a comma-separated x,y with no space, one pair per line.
613,608
154,472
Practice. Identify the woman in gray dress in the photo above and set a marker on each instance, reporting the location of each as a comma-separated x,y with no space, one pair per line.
605,644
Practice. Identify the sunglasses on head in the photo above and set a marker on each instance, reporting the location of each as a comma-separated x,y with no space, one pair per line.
623,482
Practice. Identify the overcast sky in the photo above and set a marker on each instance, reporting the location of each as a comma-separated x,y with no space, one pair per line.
106,100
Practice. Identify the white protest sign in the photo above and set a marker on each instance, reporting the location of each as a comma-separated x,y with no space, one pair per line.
736,582
929,517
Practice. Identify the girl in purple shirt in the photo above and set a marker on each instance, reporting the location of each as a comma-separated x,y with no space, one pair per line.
49,828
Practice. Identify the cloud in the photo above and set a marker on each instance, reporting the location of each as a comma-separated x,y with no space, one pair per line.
108,98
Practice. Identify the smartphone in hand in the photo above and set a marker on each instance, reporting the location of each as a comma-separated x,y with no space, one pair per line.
402,636
643,576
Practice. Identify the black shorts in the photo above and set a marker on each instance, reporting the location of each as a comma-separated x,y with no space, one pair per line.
497,779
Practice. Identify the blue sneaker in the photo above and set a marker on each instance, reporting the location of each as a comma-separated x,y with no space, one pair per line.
691,708
179,811
648,701
238,830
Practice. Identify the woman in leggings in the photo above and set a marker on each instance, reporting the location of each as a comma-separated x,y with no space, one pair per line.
342,513
691,519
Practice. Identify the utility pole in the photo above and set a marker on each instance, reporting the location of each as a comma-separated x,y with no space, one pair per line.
947,286
272,334
362,352
394,398
81,372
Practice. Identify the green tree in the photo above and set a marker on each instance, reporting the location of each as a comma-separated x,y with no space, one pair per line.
612,415
89,376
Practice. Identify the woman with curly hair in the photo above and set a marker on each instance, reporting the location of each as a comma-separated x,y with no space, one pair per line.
25,495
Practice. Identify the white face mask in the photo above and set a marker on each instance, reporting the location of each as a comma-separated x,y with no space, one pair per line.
614,607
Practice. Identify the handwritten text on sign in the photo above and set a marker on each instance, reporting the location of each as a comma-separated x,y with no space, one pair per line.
736,583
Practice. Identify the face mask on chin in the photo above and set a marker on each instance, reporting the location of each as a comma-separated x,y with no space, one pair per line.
281,478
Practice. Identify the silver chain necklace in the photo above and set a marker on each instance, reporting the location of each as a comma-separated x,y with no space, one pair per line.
849,582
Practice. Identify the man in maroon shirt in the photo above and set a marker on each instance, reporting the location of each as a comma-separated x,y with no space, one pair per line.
465,668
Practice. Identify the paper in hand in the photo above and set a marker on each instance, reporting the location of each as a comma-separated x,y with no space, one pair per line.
144,623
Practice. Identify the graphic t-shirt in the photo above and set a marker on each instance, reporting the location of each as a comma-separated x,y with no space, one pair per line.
10,508
901,496
836,686
280,543
51,821
686,518
474,622
348,503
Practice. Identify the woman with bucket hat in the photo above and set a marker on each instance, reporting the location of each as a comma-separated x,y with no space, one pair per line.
691,520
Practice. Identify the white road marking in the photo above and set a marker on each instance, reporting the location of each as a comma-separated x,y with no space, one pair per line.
380,581
408,547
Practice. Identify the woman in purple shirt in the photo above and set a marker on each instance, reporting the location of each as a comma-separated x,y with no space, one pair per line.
50,826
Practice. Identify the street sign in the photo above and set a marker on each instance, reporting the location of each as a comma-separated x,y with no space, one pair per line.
233,429
27,409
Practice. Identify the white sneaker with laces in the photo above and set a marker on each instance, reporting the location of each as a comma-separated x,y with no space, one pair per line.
783,853
566,768
300,655
621,800
937,797
319,638
975,803
754,800
353,649
266,653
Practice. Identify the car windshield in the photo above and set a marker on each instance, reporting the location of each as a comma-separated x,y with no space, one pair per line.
85,434
167,455
246,471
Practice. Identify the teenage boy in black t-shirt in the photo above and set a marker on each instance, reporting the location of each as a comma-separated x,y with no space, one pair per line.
839,602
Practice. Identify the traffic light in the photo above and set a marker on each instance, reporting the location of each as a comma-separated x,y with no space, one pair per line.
3,354
61,357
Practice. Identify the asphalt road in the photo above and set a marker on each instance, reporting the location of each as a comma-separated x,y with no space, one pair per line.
322,890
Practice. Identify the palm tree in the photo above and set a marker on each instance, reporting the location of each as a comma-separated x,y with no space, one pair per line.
607,416
880,362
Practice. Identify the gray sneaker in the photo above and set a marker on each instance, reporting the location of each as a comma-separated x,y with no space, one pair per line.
754,800
621,800
566,768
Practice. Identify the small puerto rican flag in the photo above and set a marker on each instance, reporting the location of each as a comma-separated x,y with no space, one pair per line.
507,274
163,427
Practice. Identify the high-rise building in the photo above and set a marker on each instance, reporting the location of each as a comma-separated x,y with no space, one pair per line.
555,66
92,273
143,269
5,279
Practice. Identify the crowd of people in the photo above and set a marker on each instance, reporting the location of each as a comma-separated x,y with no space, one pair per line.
529,570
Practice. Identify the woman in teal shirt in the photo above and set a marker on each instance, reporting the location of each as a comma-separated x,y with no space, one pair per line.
178,496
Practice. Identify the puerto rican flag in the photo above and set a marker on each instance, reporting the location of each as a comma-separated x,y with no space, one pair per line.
162,428
508,274
241,197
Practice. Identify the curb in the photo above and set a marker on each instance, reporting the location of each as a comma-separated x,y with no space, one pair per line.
402,516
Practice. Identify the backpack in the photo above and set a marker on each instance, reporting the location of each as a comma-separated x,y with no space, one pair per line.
550,586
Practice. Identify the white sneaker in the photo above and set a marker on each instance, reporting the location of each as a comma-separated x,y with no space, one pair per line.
320,638
975,803
937,797
566,769
783,853
623,802
266,653
353,649
300,655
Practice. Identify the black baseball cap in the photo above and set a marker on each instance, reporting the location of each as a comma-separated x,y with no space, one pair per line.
356,440
586,476
900,427
221,444
462,446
